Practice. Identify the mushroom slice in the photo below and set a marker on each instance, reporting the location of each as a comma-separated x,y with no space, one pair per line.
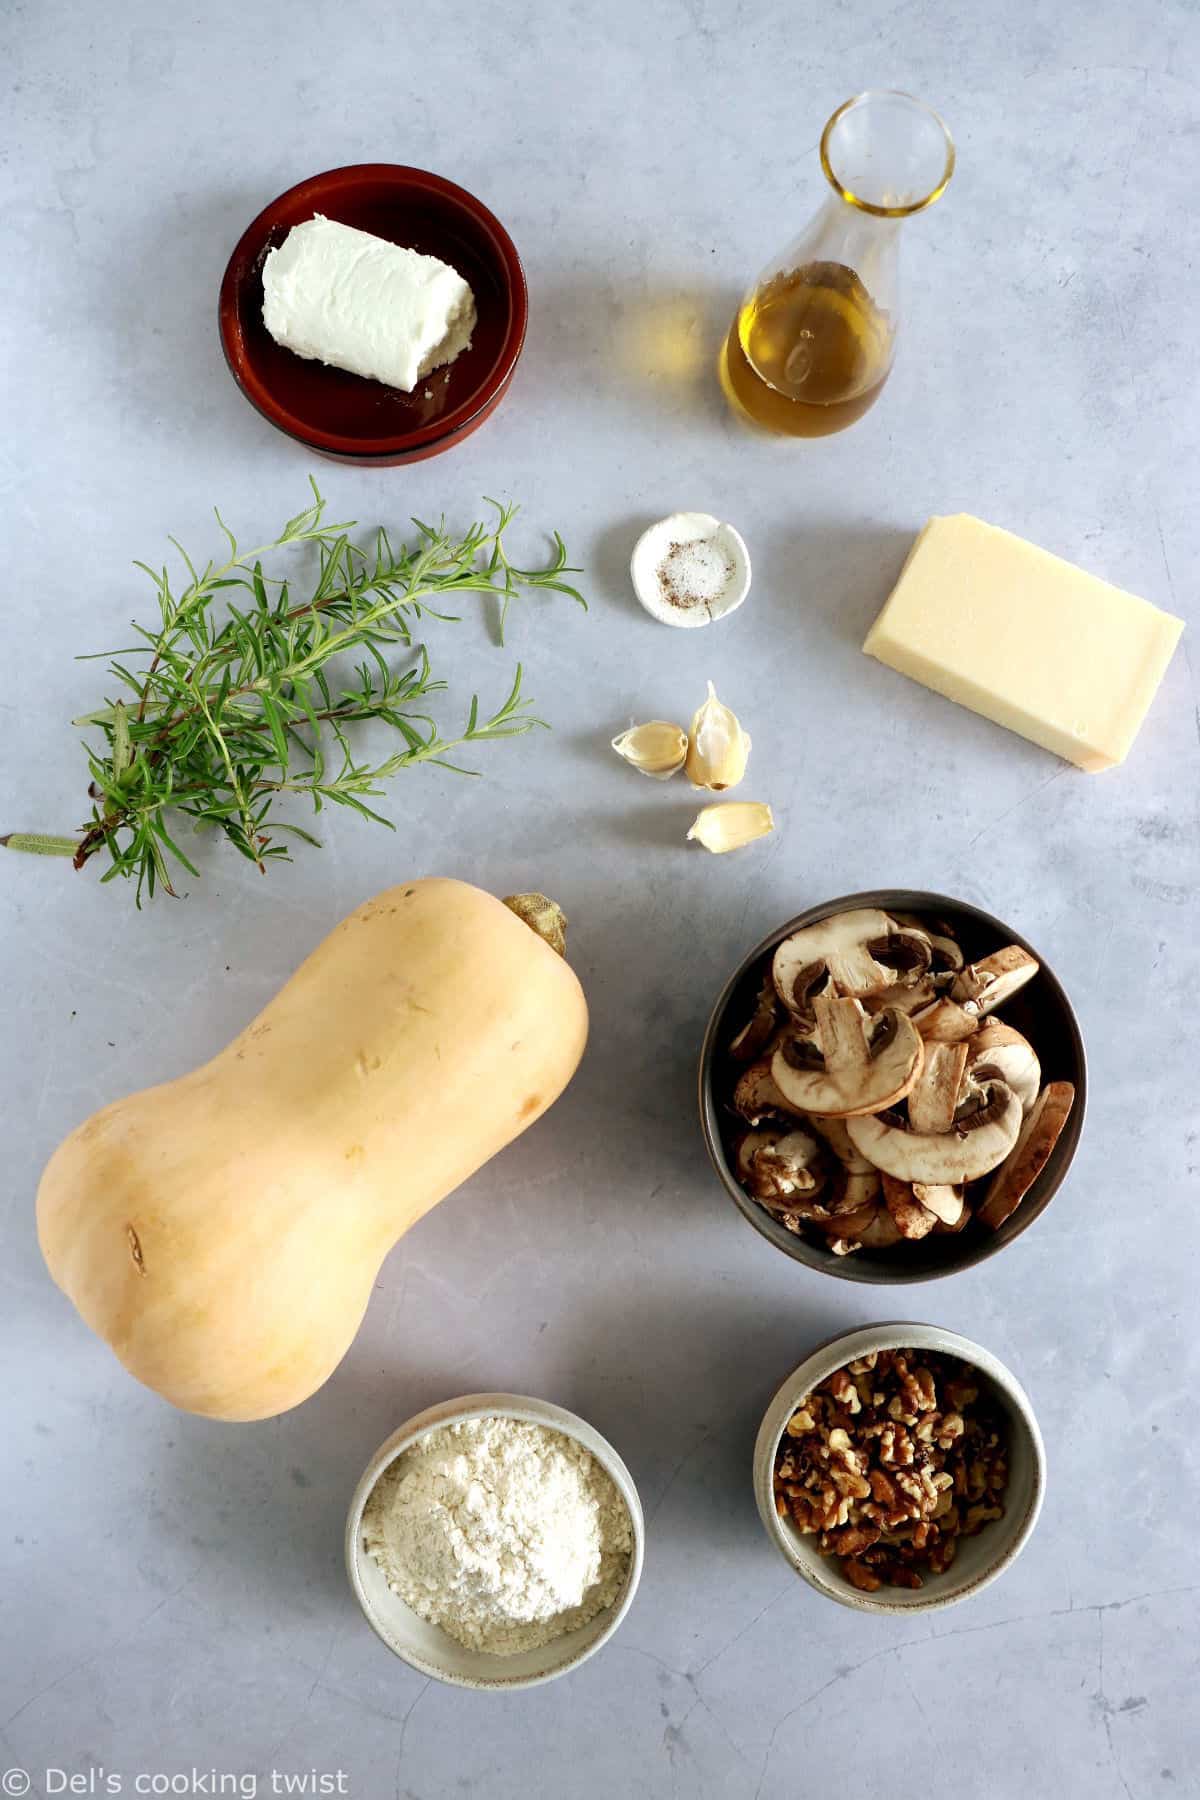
756,1033
782,1166
963,1220
838,1138
979,1142
756,1097
858,1065
945,1022
947,952
846,1230
946,1203
862,952
904,999
850,1193
881,1233
934,1099
997,1046
912,1219
982,986
1039,1134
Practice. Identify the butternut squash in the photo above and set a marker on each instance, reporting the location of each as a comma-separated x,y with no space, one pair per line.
223,1232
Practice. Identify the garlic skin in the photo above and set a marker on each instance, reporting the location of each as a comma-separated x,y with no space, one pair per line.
731,824
658,748
719,747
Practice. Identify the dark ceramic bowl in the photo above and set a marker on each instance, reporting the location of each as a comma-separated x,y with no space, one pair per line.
344,416
1041,1011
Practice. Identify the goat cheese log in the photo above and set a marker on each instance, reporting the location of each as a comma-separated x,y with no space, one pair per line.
346,297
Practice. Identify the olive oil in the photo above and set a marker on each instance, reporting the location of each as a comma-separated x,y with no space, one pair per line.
809,352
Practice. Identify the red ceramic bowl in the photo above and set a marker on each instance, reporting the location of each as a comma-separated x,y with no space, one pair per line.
344,416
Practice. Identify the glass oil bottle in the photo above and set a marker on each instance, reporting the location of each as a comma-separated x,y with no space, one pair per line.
813,341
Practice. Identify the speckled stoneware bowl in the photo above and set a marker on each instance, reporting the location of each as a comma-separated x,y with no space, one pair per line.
981,1558
1041,1011
426,1647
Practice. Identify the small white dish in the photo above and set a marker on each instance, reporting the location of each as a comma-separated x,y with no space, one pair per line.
981,1558
427,1648
690,569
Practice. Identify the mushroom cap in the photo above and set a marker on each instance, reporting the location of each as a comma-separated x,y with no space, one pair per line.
858,1065
863,952
690,550
979,1142
997,1046
1030,1153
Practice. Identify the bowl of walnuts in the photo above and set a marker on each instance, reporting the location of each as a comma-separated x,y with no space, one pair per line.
899,1469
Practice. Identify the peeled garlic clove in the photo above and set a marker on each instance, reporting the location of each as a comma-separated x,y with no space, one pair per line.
719,748
657,748
731,823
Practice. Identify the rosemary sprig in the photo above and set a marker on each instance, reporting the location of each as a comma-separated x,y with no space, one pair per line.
233,700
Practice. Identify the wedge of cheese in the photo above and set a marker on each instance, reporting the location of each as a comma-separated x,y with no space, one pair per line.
1025,639
342,296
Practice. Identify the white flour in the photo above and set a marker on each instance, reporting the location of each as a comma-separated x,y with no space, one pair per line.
505,1534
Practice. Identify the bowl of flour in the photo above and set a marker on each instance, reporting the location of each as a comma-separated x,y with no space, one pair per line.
495,1541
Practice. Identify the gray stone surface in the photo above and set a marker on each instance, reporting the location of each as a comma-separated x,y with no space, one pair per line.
173,1595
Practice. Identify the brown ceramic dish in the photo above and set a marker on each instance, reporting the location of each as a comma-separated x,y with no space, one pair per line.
341,415
1041,1011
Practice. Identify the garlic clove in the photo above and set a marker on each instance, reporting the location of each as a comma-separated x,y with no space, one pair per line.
658,748
729,824
719,748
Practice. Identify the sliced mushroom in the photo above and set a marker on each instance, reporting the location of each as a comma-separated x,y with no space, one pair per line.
881,1233
861,952
982,986
850,1224
858,1065
848,1193
904,999
934,1099
946,1203
947,952
777,1166
963,1220
945,1022
1039,1134
756,1098
912,1219
790,1168
1014,1058
978,1143
759,1028
838,1138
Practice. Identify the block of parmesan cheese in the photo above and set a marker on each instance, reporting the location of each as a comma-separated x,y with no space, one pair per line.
1025,639
345,297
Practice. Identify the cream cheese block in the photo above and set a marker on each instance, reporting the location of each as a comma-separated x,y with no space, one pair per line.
345,297
1026,639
